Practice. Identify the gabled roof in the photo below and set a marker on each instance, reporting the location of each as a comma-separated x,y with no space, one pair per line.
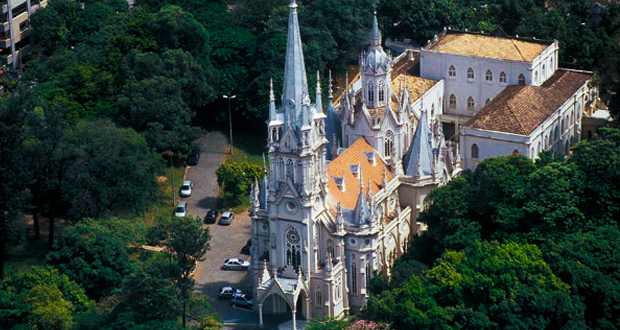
352,156
520,109
484,45
414,85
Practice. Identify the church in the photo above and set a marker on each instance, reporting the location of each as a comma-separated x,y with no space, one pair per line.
346,182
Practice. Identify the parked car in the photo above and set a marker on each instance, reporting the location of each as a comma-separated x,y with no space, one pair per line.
211,216
181,209
186,188
247,248
241,300
227,218
228,292
194,157
236,264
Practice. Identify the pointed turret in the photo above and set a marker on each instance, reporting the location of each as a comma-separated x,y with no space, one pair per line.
362,212
419,159
375,34
295,88
318,102
333,130
273,115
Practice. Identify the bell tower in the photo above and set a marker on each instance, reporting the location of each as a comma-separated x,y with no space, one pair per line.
376,67
297,167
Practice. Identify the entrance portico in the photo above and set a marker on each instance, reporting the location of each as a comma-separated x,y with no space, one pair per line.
278,295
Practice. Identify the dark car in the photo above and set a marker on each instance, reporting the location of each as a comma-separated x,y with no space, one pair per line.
247,248
211,216
194,157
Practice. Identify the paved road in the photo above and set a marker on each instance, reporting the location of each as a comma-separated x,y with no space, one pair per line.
226,241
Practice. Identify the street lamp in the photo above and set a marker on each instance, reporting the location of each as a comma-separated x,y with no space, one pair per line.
230,120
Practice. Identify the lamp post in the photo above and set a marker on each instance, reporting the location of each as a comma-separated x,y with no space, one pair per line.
230,120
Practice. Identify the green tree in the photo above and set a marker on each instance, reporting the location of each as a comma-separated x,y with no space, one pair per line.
150,297
236,179
188,245
42,298
95,254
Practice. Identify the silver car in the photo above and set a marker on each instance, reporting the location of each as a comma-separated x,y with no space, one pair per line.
236,264
227,218
186,188
241,300
228,292
181,210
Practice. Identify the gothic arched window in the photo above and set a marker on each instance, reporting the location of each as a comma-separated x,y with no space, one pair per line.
452,102
318,299
293,247
489,75
470,103
474,151
354,277
543,71
330,249
371,93
470,73
502,77
452,71
368,273
389,144
381,92
289,170
551,64
280,169
521,79
300,173
536,77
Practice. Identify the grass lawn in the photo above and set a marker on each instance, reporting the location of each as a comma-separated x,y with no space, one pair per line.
164,204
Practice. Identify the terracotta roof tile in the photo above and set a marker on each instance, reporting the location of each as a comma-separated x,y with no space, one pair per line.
520,109
352,156
414,85
513,49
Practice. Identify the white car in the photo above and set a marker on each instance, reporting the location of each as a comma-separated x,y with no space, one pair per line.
186,188
181,210
227,218
236,264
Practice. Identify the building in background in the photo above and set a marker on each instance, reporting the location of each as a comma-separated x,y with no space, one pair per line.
15,30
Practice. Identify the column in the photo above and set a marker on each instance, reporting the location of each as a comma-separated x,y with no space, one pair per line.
260,315
294,319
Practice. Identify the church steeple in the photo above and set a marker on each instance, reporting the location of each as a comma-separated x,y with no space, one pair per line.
295,89
375,34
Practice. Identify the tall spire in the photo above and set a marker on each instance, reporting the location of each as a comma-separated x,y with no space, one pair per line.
295,89
331,94
375,34
419,160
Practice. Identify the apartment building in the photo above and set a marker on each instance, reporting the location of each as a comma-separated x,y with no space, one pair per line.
15,30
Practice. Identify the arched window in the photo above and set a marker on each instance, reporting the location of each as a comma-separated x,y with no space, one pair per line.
300,173
546,142
557,134
368,273
433,110
371,93
330,249
489,75
354,277
381,92
452,101
536,77
502,77
567,148
521,79
318,300
571,118
543,72
470,103
551,67
289,170
563,125
538,148
293,247
470,73
281,169
474,151
389,144
452,71
532,152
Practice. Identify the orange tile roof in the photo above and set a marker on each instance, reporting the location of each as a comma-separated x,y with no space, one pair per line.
352,156
520,109
414,85
474,44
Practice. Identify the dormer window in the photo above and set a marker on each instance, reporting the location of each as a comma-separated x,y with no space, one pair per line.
354,169
370,156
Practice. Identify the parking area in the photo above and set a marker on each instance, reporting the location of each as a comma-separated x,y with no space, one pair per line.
226,241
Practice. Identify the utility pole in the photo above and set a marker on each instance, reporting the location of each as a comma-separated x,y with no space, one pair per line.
230,120
172,182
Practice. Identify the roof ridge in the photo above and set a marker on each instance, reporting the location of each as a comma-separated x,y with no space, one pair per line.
518,50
